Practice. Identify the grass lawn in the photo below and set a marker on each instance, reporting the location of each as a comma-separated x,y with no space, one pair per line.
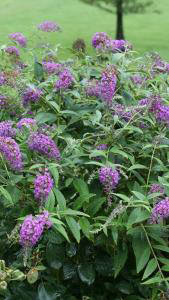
147,32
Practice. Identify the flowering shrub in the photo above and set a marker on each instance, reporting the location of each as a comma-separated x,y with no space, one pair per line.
84,190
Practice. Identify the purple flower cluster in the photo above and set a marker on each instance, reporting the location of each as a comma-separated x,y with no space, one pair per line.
65,80
48,26
108,84
117,45
31,95
19,38
33,228
44,144
52,68
159,66
156,188
109,178
137,79
43,186
3,101
12,50
122,111
99,40
6,129
26,122
2,79
160,211
102,147
156,105
93,88
11,152
102,42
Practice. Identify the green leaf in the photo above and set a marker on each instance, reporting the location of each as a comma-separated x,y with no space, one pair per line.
161,247
7,197
85,226
86,273
38,71
55,255
43,117
150,268
141,250
43,293
120,258
140,196
69,270
74,227
95,205
156,279
54,171
138,215
137,166
32,276
50,202
60,199
61,229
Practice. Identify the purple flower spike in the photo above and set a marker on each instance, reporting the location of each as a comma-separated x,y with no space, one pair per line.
99,40
160,211
43,186
44,145
26,122
109,178
2,79
11,152
19,38
6,129
48,26
31,95
65,80
156,188
93,88
12,50
52,67
108,85
33,228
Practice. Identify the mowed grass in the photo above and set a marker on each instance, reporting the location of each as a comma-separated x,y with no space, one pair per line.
147,32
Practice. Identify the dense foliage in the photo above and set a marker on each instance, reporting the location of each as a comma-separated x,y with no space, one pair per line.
84,172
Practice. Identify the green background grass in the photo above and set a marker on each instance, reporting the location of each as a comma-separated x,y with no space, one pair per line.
147,32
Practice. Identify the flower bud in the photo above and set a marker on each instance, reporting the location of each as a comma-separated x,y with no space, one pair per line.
18,275
3,285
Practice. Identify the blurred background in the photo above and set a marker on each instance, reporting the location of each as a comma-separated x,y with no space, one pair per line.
147,31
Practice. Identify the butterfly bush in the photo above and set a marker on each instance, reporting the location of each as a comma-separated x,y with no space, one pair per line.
84,152
48,26
11,152
44,145
43,186
32,229
19,38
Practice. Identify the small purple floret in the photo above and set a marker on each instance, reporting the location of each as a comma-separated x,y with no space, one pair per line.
19,38
11,152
